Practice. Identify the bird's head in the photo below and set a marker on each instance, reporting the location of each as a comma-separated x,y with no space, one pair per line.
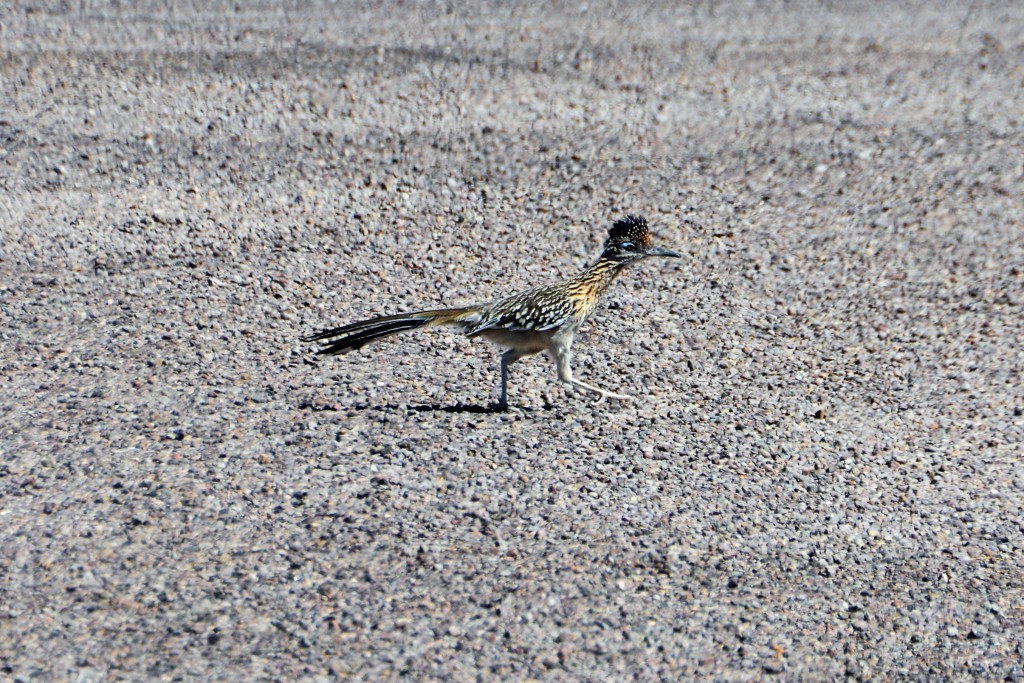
629,240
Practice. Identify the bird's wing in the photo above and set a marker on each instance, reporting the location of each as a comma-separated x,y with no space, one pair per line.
535,310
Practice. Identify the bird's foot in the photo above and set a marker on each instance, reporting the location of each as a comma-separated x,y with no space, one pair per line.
609,394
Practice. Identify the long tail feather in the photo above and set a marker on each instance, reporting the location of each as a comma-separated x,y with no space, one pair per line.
361,339
356,335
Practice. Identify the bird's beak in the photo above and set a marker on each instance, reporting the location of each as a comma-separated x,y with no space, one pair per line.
661,251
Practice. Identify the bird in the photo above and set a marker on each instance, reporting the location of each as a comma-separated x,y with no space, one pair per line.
544,318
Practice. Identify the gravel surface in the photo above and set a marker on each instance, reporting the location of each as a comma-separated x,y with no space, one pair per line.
821,477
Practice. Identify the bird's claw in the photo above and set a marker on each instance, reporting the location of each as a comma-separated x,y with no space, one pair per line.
608,394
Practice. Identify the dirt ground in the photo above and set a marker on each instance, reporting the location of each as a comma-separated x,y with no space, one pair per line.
820,476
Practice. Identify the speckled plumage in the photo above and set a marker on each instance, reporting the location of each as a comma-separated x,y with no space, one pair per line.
543,318
549,306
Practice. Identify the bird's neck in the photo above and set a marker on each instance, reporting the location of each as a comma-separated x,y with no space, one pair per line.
595,279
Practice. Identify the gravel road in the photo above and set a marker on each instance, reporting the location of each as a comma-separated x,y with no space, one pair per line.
820,477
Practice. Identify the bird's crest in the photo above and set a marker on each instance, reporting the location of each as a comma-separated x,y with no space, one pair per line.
630,229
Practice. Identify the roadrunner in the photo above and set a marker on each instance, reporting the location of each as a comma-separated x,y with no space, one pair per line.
540,319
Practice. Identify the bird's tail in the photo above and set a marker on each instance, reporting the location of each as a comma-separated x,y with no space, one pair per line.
357,335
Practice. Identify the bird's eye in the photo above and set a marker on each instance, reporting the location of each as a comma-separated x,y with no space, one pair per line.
625,245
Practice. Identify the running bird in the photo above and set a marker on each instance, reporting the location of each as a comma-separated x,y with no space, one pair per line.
544,318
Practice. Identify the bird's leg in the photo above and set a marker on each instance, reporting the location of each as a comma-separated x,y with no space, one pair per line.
507,358
563,361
